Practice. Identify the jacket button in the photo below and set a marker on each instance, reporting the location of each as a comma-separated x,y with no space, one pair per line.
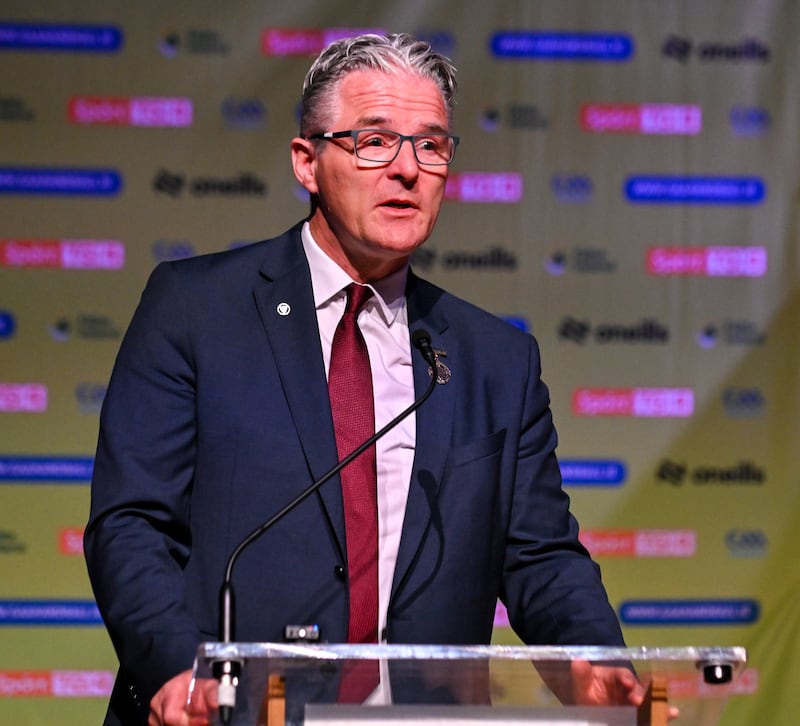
339,572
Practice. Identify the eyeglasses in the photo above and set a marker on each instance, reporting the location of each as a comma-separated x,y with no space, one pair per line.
382,146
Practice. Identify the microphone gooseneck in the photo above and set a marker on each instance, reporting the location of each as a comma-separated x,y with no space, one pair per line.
228,671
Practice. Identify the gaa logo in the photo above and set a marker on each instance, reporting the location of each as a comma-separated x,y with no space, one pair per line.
746,542
749,120
571,188
743,402
243,113
163,250
90,397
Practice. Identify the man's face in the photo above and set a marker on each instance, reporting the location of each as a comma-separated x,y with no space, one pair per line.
371,217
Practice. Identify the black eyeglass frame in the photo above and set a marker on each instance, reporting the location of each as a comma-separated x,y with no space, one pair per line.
353,134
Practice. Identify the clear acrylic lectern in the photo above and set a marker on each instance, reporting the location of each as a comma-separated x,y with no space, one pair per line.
458,685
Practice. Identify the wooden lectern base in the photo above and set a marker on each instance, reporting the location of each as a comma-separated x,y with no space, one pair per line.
654,708
273,707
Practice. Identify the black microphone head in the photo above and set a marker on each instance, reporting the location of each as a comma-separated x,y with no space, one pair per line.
421,340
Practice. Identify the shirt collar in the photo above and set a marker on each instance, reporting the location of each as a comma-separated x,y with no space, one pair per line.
328,280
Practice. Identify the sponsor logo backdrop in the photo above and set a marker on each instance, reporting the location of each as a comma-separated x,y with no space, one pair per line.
626,189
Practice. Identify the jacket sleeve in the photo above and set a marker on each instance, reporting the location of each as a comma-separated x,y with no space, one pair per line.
551,587
137,538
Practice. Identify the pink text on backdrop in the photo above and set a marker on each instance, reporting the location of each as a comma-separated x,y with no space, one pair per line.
65,254
135,111
654,118
637,402
715,261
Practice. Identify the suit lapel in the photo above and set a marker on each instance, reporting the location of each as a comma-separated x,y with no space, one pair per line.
434,424
286,307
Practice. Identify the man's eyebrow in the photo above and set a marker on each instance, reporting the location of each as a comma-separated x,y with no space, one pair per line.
384,123
366,121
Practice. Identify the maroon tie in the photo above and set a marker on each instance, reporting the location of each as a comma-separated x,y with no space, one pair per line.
353,409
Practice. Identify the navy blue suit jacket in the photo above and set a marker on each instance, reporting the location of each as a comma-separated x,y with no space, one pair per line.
217,415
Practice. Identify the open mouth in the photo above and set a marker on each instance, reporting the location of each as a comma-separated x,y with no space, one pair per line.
398,205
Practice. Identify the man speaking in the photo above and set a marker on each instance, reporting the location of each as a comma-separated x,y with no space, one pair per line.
246,375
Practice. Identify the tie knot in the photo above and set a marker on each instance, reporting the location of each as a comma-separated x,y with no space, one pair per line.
357,295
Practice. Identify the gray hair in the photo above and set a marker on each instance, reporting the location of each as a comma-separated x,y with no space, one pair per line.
390,54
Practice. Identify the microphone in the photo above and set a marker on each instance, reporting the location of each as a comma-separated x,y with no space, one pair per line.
422,342
228,671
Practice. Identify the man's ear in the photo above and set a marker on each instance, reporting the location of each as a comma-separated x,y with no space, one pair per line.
304,163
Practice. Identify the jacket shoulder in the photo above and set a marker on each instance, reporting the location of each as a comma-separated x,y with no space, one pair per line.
428,299
231,267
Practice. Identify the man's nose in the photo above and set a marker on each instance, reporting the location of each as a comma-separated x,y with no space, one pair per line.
405,163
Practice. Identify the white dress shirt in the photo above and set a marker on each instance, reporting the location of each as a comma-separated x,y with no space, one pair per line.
384,324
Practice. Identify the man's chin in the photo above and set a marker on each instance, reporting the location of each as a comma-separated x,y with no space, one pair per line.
401,239
398,249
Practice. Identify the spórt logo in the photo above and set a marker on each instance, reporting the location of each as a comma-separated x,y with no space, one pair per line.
135,111
485,187
637,402
640,542
713,261
650,118
295,42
